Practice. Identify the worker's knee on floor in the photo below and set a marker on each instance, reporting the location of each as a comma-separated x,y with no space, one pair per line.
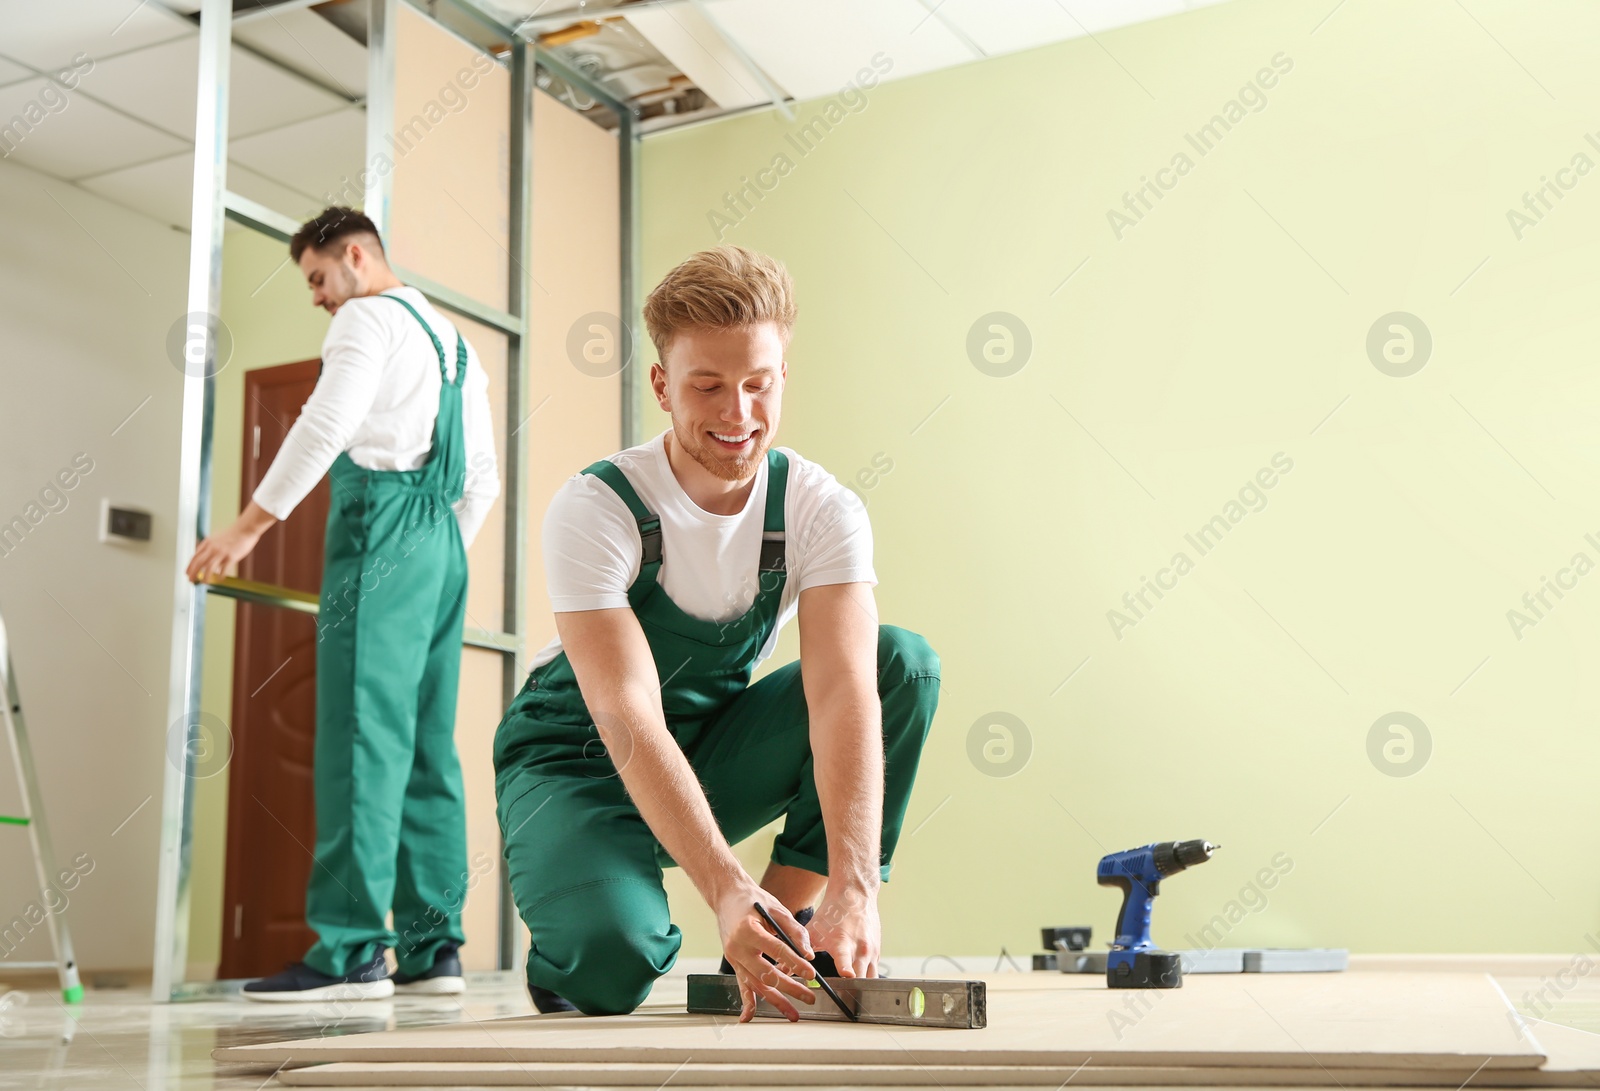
609,976
904,655
603,967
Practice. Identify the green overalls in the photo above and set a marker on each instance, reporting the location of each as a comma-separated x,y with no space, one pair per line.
391,811
584,868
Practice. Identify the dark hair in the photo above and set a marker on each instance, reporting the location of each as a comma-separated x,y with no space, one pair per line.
330,226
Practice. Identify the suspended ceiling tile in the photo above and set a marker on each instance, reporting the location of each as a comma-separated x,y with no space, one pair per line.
685,38
49,35
814,48
1005,26
158,85
1098,15
163,189
308,43
70,135
12,73
273,194
322,156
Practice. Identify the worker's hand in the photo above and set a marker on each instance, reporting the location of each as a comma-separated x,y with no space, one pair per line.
215,555
221,553
746,937
846,926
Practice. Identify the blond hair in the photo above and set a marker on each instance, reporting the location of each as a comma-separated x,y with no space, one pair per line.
723,288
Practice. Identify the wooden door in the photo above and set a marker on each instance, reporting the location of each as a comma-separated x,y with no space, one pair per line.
271,814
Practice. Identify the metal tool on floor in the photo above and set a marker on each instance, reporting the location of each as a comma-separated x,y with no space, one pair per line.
962,1005
1135,962
1065,947
32,820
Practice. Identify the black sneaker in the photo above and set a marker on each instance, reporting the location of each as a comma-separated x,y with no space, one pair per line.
547,1002
444,979
299,983
823,963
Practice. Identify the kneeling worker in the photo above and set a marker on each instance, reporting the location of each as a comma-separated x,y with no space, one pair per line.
638,740
403,429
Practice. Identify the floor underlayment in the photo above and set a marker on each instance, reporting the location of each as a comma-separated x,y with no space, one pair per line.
118,1039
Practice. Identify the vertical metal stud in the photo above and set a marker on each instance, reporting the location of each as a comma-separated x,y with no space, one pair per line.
514,584
170,961
381,30
629,182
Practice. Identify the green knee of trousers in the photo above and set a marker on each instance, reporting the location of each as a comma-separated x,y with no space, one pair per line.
602,945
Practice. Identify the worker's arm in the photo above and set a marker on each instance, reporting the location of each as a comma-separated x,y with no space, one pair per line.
352,364
617,676
839,668
359,341
483,470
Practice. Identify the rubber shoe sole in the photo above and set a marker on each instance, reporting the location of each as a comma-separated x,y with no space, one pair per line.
343,990
433,986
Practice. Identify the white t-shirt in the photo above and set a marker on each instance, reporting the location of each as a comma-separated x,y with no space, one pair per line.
710,563
377,399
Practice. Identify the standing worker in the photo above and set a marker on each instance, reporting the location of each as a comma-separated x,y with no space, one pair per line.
638,739
403,428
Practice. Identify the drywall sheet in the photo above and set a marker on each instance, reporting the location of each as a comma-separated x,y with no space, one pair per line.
1335,1021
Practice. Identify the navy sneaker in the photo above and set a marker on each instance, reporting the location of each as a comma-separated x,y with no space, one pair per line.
823,963
546,1002
444,979
299,983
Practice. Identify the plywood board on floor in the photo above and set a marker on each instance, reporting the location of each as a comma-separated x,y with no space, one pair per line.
1573,1060
1335,1021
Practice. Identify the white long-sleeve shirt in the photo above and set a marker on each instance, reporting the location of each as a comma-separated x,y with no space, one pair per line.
377,399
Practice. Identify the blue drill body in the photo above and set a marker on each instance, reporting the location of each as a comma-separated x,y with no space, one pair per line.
1135,962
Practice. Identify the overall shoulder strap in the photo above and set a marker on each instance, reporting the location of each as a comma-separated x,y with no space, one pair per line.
649,523
461,344
773,552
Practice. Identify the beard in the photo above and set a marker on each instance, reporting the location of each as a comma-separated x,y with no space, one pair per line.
724,464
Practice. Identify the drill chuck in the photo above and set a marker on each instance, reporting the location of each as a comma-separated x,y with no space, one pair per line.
1171,857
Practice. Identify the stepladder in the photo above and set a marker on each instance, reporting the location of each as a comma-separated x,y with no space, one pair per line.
32,822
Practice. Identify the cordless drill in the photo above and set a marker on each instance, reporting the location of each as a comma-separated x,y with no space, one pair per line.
1134,962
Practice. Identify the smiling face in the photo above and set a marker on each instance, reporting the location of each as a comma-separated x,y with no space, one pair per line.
724,389
340,274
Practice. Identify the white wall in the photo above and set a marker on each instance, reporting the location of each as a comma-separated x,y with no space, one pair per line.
88,291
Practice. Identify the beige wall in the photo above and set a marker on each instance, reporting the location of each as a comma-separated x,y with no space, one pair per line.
1168,368
88,293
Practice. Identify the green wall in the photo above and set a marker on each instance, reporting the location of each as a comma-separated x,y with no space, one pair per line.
1170,366
267,308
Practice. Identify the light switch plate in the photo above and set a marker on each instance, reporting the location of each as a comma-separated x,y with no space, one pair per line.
122,524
